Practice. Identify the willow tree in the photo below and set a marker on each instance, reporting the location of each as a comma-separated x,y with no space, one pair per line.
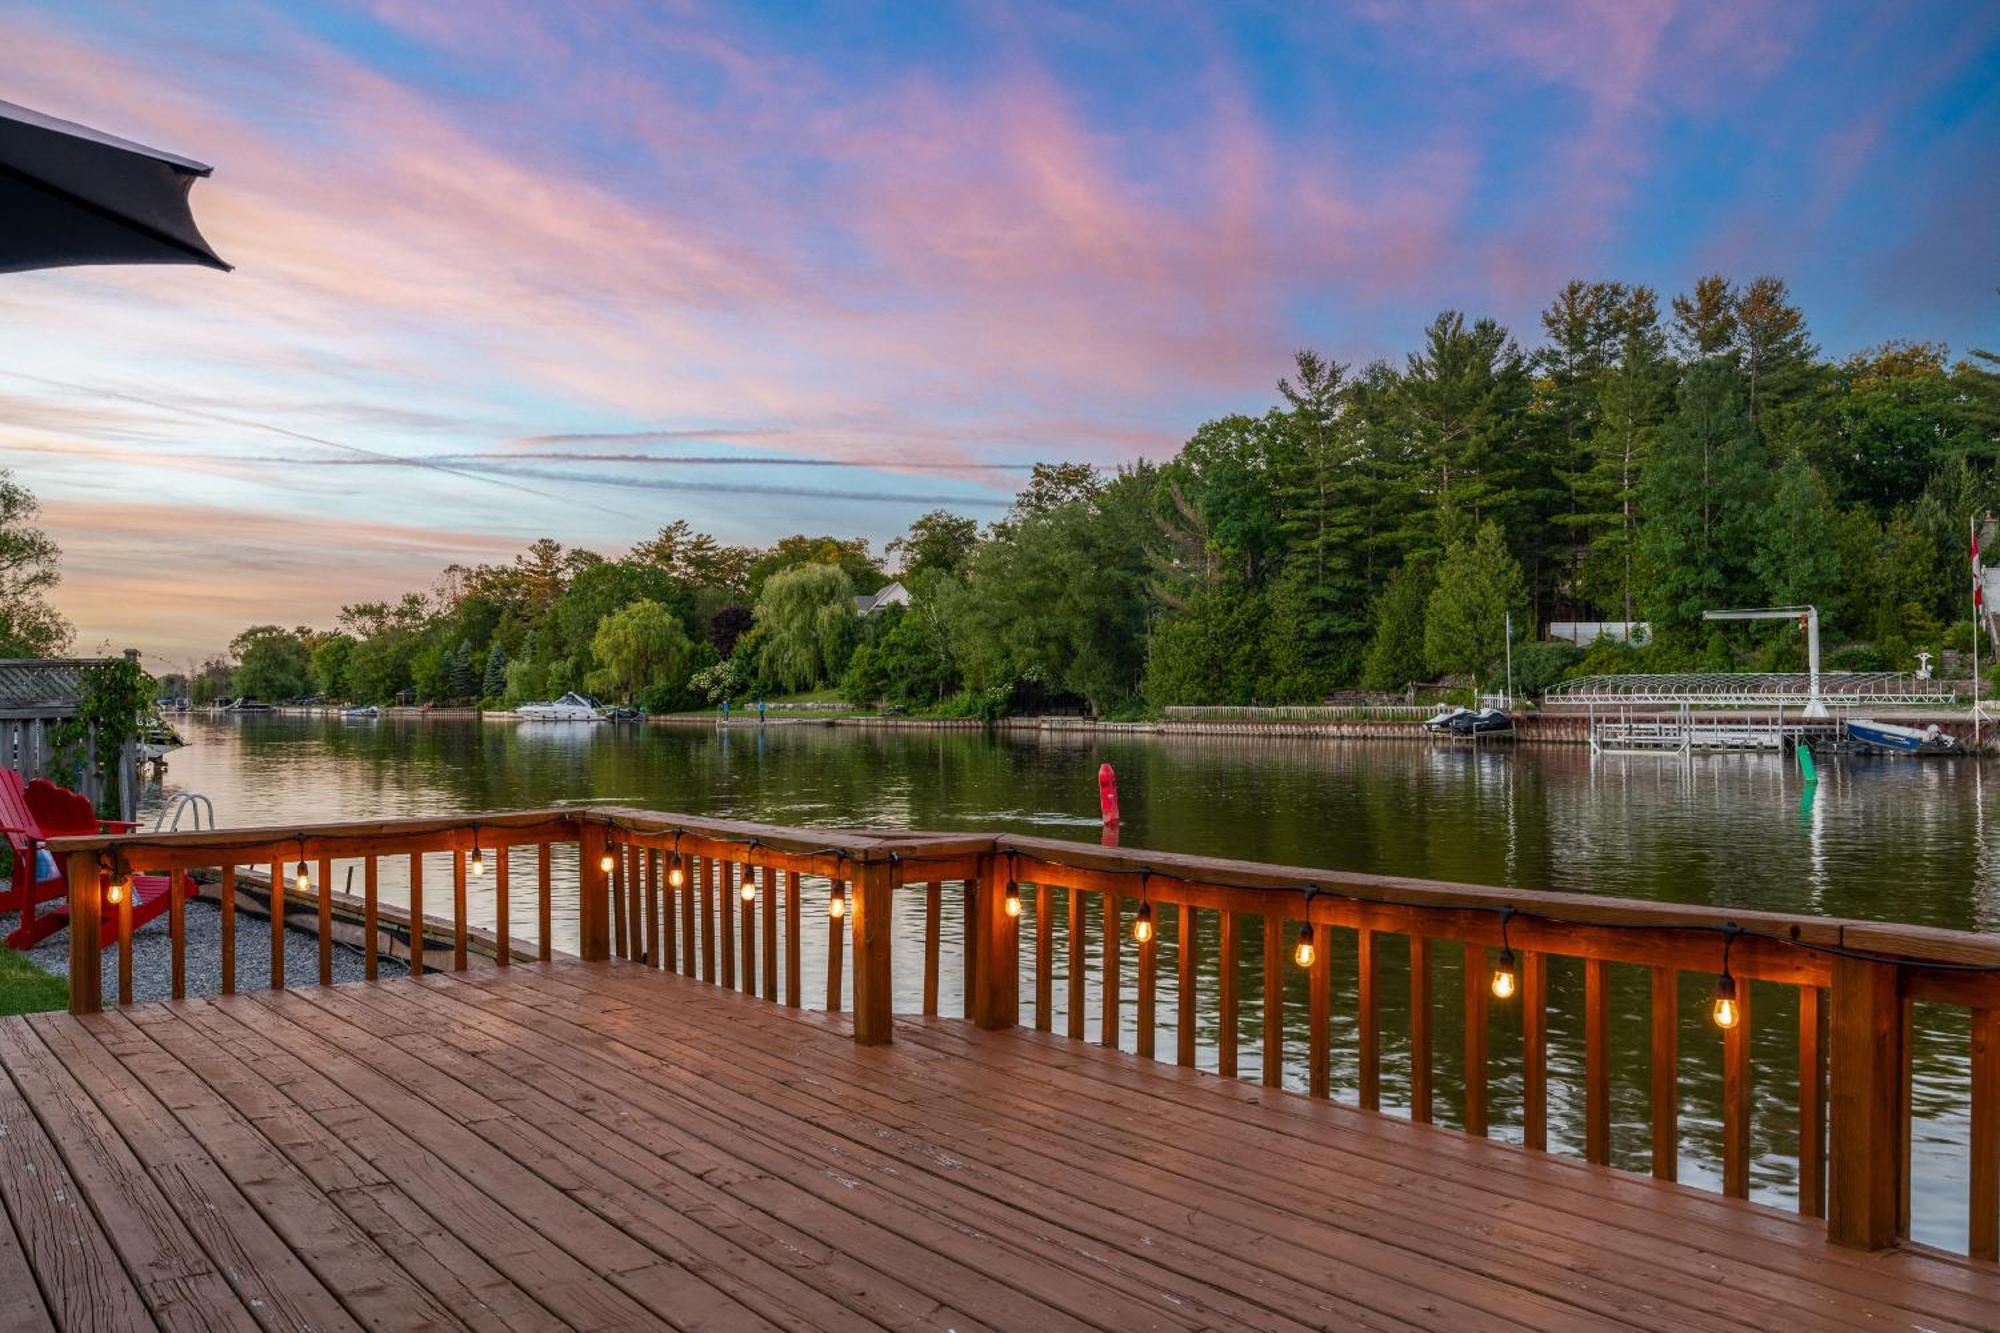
640,645
805,620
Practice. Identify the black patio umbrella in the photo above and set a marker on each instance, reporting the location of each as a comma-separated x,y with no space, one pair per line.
71,195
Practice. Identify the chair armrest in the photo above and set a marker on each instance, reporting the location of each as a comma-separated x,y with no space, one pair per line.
116,825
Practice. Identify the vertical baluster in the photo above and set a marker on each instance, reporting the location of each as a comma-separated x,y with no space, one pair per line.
1476,982
1274,1002
749,885
1114,936
770,935
1076,964
670,936
1319,1013
970,919
835,949
1812,1106
1420,1029
458,923
1228,1013
325,921
725,929
1736,1099
1983,1233
545,904
416,914
1905,1108
619,943
635,897
1535,1051
277,925
707,918
177,886
503,946
655,953
1666,1095
229,930
371,918
1368,1040
124,935
792,938
1149,949
933,911
1045,963
690,890
1186,955
1596,1061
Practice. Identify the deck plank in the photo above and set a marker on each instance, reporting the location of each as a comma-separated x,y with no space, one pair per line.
606,1145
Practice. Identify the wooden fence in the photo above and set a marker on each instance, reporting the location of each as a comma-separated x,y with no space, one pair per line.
723,901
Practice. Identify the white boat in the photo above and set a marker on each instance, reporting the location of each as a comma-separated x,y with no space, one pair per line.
364,712
572,707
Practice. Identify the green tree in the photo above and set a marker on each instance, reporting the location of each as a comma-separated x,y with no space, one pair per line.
1396,657
1212,652
1774,349
1700,496
1705,320
640,645
271,663
1798,558
29,626
493,680
940,542
805,618
1479,584
1632,400
329,663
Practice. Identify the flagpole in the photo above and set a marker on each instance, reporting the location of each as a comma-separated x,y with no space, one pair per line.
1972,528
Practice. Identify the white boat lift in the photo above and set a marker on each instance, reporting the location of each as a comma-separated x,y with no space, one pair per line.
1808,618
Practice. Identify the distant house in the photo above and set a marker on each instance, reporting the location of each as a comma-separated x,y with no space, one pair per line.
889,594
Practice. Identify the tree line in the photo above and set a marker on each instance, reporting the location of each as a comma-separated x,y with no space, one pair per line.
1373,527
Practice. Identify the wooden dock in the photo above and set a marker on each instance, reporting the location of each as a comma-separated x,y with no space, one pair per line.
605,1145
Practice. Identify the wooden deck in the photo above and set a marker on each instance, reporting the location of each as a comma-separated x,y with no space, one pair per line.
597,1145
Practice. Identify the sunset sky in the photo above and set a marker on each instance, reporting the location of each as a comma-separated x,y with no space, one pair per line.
514,270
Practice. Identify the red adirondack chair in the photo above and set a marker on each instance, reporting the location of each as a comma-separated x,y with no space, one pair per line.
32,813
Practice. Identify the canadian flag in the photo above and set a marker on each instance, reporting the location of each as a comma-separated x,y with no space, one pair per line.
1978,594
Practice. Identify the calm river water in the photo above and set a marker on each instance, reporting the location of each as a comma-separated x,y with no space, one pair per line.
1887,839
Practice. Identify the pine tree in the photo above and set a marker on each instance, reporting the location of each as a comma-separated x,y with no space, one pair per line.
1797,559
461,676
495,681
1583,325
1699,498
1705,320
1479,584
1632,400
1773,348
1396,657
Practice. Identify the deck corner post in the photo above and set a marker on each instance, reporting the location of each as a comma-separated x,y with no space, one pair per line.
996,986
593,887
86,959
1863,1102
874,927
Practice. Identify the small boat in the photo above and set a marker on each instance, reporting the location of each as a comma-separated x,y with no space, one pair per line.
245,705
1485,722
364,713
1443,721
156,739
1901,740
623,715
572,707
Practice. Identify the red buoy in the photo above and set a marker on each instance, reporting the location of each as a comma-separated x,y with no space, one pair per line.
1107,794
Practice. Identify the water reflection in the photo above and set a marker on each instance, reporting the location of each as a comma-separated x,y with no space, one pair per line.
1878,838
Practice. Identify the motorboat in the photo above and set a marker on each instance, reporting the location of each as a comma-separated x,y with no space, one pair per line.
1443,721
366,712
623,715
156,739
572,707
1484,722
1932,739
245,705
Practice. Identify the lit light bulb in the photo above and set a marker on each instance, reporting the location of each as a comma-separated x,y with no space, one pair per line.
1505,980
609,861
1305,953
302,877
116,893
1725,1012
1142,924
477,865
675,875
836,903
1011,903
749,890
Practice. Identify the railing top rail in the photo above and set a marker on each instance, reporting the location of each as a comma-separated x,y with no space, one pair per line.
323,838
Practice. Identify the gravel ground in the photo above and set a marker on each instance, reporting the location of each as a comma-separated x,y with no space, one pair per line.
152,956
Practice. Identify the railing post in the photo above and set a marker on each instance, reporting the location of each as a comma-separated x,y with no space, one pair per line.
996,989
874,905
1865,1031
86,947
593,926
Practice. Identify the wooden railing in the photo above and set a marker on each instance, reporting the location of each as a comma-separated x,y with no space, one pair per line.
726,903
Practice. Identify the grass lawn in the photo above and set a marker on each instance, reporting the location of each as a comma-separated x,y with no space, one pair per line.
26,989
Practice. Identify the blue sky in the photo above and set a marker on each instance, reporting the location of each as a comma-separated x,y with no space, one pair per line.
510,270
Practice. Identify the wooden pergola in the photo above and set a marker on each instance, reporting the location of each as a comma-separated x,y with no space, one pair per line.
37,696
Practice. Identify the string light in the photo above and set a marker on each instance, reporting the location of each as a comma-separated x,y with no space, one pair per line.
121,884
1505,979
836,901
1726,1013
1010,897
749,889
1142,924
476,866
675,875
609,861
1304,954
301,876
